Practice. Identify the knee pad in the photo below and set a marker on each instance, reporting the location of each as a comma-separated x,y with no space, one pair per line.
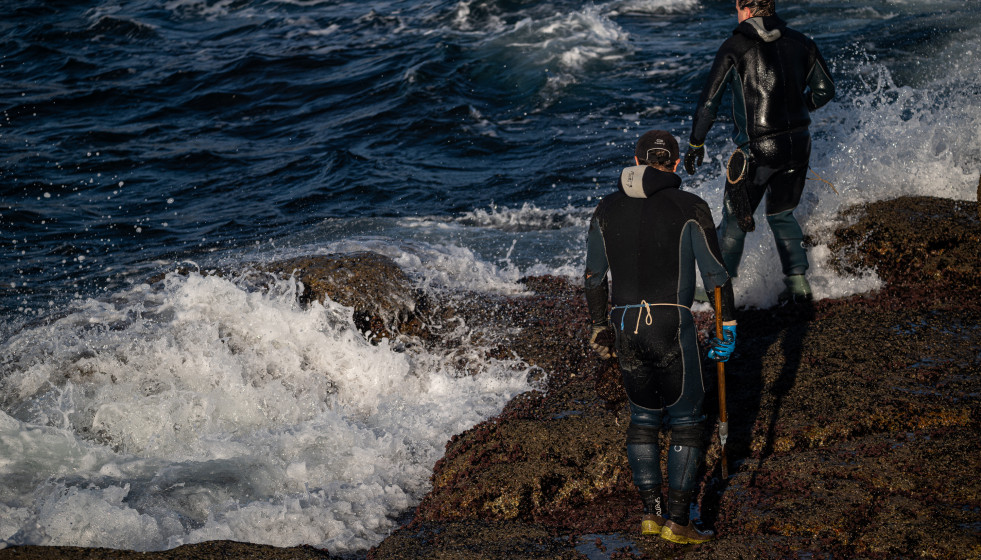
643,450
645,425
642,435
645,465
689,435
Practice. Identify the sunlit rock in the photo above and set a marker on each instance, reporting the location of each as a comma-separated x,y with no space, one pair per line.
381,294
914,239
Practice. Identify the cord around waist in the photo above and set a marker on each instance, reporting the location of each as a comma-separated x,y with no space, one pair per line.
643,306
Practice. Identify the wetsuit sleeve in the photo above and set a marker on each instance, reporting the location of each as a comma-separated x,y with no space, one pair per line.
723,69
708,255
820,82
596,284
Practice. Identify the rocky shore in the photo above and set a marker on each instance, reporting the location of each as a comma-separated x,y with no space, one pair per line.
854,423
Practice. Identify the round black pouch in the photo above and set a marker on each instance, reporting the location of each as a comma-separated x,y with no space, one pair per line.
738,172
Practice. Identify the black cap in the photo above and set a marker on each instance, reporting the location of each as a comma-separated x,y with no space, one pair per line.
654,145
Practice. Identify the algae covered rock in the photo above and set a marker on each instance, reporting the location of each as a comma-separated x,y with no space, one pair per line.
853,423
549,472
913,239
384,301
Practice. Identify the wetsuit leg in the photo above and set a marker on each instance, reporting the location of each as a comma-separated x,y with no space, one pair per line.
644,455
687,428
784,160
789,238
651,364
684,459
784,188
731,237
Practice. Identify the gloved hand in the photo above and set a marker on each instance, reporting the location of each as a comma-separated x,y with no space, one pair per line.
694,157
601,341
720,350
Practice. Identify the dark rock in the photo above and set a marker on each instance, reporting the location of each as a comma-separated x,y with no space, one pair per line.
853,423
384,301
213,550
540,471
913,240
478,540
852,435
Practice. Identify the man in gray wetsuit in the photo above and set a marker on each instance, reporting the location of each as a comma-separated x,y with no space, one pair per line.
648,236
777,77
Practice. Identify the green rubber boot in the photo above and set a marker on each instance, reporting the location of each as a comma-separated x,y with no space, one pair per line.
798,290
700,294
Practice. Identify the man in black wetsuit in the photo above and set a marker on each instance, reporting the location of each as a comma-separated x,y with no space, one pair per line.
778,77
649,235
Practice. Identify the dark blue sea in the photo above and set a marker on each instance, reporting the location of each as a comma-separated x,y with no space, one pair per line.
468,140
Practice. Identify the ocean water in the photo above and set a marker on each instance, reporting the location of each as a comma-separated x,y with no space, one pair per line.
469,140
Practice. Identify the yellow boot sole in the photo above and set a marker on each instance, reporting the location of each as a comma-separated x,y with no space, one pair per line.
669,535
649,527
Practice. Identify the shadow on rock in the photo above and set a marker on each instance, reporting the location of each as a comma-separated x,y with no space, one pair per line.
853,425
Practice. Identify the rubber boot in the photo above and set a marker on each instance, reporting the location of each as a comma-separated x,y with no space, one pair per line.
651,525
680,528
790,242
685,534
653,519
700,294
798,290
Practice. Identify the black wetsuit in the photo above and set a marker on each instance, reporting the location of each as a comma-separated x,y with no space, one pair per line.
649,241
778,77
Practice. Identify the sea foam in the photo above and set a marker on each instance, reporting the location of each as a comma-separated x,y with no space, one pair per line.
196,409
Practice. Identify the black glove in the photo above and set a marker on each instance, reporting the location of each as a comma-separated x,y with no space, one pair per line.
694,157
601,341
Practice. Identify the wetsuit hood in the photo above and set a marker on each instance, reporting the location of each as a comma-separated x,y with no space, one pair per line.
766,28
644,181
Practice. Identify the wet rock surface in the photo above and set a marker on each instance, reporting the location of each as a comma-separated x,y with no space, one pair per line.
374,286
213,550
853,423
911,240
